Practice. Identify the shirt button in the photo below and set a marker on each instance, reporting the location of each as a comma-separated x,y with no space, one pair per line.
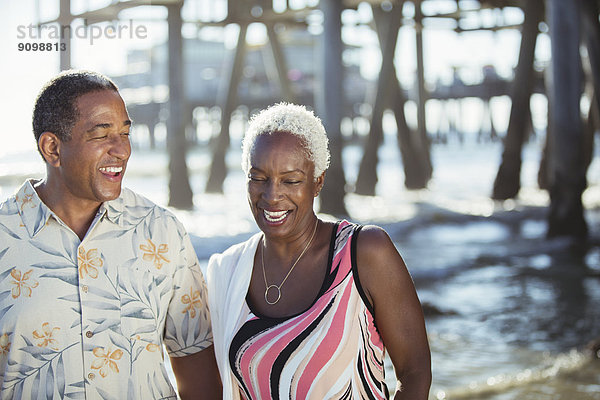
89,334
91,376
84,288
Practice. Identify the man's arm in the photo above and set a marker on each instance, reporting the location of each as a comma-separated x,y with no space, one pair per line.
197,375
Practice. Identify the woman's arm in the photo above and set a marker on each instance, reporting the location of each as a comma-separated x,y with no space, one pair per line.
197,375
398,313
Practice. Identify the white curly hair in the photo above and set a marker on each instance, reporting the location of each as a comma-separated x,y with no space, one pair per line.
294,119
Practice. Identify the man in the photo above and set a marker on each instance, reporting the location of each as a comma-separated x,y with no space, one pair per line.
94,279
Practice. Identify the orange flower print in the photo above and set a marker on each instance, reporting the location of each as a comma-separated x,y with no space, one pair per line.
192,300
28,199
4,344
106,360
46,337
89,262
152,347
22,286
155,254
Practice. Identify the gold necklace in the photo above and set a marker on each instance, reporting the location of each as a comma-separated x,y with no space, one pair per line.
262,259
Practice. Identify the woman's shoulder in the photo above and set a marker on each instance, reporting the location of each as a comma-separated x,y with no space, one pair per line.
376,250
366,238
373,238
232,254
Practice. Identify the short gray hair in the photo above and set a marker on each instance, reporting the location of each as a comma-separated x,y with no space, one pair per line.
296,120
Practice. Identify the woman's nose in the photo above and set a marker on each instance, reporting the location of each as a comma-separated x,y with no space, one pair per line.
272,191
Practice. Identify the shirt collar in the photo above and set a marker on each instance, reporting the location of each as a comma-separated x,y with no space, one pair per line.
113,210
35,214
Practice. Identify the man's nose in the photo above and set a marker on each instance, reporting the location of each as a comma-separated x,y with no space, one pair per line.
120,147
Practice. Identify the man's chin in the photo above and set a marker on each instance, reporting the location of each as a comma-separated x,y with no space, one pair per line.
110,195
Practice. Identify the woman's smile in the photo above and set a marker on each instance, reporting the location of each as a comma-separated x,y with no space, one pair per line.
275,217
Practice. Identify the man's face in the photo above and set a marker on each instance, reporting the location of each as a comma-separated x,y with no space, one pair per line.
92,163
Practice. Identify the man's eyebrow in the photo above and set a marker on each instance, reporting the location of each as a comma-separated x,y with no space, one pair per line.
107,125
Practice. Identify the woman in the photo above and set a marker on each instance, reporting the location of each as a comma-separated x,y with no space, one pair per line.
308,308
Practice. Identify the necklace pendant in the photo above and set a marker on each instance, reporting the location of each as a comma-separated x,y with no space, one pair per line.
262,261
267,294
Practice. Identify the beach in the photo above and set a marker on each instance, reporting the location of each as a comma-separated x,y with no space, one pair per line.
508,312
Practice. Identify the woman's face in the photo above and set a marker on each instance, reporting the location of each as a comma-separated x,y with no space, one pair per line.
281,186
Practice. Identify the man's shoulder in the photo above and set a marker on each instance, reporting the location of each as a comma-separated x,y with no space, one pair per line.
9,206
131,199
9,213
24,194
133,207
12,224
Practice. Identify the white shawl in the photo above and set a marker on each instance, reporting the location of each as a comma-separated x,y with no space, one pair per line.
228,279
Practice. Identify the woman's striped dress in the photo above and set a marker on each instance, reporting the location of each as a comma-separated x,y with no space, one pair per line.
331,351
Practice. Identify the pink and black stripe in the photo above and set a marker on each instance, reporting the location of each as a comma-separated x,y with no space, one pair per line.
330,351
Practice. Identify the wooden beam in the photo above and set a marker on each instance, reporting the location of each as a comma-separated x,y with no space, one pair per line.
566,162
329,100
180,192
218,167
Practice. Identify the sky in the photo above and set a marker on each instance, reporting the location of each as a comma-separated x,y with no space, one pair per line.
25,72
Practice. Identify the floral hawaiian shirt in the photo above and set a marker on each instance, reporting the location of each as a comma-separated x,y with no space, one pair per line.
87,319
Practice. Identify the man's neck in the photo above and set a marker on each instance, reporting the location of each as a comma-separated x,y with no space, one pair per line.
78,214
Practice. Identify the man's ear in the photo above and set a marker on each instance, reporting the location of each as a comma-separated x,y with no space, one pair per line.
320,182
49,145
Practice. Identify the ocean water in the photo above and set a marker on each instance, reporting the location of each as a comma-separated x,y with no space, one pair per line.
508,312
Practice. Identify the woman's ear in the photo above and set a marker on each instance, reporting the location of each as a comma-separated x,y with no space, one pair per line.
319,182
49,146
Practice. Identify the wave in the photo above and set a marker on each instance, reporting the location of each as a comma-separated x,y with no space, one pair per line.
562,365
